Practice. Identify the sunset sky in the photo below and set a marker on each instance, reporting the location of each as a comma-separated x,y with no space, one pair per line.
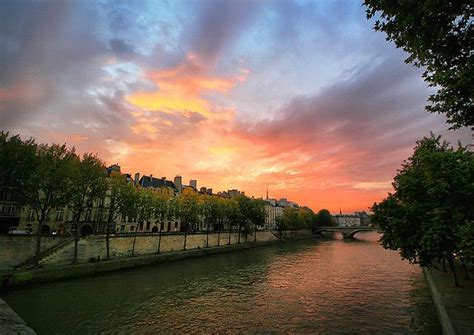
301,97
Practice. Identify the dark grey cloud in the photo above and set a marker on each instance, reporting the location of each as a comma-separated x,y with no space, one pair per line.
46,49
121,47
218,23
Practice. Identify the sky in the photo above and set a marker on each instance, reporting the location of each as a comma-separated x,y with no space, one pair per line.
303,98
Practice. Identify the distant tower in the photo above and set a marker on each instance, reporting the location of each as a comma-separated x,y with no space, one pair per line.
340,211
267,192
193,183
178,182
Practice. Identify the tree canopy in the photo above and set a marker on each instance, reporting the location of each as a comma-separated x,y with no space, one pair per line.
429,216
439,36
324,218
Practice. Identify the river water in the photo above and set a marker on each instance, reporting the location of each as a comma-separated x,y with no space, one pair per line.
317,286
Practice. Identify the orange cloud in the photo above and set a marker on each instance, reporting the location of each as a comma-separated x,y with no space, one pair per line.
180,89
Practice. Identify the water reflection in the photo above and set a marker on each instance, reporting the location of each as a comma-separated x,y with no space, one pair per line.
315,286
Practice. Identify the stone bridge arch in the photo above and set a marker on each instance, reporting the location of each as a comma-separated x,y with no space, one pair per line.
346,232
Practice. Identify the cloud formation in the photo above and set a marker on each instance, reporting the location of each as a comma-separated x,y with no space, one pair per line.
238,94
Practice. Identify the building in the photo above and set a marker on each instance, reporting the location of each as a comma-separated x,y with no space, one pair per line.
347,220
273,211
283,202
364,218
193,183
9,210
178,183
233,193
160,185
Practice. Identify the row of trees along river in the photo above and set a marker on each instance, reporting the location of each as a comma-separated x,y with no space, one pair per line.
44,177
429,218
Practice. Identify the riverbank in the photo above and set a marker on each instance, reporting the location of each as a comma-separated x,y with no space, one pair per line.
19,278
454,305
11,323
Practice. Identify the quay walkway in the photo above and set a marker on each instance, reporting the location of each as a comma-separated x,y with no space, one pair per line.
454,305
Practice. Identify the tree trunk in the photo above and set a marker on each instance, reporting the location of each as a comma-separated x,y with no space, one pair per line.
230,233
443,263
107,237
159,240
207,236
76,242
38,243
238,240
466,270
185,236
133,245
451,265
109,223
76,236
219,237
255,238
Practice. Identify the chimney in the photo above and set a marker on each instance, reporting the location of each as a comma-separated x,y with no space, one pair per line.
178,183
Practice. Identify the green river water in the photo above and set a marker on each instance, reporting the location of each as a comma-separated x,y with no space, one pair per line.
315,286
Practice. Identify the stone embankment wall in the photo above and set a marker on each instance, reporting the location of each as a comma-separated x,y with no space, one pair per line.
93,247
16,249
11,323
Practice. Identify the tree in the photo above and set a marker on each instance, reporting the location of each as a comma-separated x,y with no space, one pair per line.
306,218
431,203
17,167
50,185
88,186
188,209
145,205
162,212
324,218
439,36
17,161
116,183
257,214
244,214
466,243
232,214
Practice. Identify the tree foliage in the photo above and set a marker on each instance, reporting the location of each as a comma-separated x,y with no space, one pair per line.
324,218
87,186
296,219
425,219
439,36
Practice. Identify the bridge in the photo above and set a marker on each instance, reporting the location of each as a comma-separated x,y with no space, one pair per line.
346,232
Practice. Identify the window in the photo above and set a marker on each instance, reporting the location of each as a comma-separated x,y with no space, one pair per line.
59,214
31,215
12,210
3,193
99,215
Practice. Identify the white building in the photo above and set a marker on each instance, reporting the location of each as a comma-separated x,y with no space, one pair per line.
272,212
344,220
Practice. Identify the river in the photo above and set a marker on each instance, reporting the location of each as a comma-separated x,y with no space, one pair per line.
317,286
